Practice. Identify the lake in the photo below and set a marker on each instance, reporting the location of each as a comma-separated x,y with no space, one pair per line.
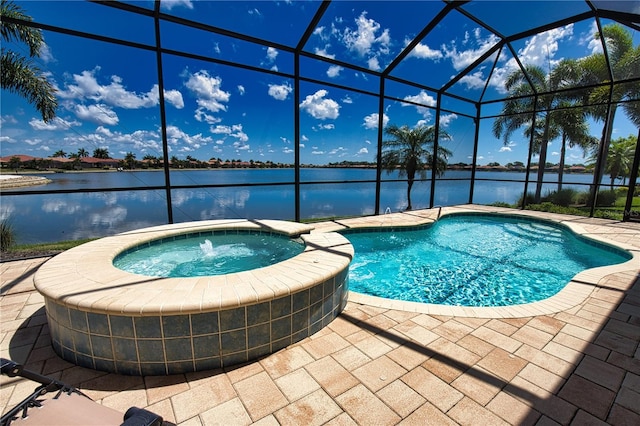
71,216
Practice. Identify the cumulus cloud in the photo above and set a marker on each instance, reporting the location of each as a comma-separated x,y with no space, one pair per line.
234,131
56,124
363,39
318,107
539,50
208,91
280,91
324,53
99,114
460,59
422,98
507,148
422,51
170,4
272,53
176,136
241,89
334,71
85,86
371,121
446,119
363,150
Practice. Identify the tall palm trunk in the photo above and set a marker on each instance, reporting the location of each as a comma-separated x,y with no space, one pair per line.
601,162
563,152
542,162
411,174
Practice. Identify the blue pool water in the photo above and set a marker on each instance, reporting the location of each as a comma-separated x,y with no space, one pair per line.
205,255
473,260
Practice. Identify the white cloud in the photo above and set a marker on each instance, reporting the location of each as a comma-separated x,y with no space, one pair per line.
318,107
85,86
202,116
334,71
363,150
241,89
508,147
323,52
45,54
272,53
373,64
56,124
100,114
422,98
446,119
280,91
363,39
208,91
462,58
174,97
329,126
474,80
170,4
371,121
539,50
347,100
423,51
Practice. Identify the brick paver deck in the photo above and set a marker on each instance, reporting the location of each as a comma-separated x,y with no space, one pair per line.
379,366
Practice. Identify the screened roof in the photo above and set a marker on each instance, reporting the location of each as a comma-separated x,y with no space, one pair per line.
236,73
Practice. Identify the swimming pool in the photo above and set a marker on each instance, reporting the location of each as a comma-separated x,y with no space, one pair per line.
473,260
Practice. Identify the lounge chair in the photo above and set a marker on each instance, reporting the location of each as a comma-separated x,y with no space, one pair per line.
56,403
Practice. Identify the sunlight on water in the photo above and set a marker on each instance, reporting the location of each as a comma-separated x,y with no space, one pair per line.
472,261
217,255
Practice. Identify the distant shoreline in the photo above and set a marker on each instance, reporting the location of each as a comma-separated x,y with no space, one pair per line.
17,181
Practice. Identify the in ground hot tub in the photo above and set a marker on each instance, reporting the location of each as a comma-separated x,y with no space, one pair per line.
108,319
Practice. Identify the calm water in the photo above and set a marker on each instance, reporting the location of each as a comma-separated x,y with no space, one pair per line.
57,217
217,254
474,260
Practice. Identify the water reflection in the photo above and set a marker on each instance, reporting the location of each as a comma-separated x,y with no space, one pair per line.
56,217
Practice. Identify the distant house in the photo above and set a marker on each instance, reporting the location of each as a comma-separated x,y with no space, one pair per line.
99,163
25,161
40,163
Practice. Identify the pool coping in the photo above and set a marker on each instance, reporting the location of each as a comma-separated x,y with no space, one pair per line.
84,277
573,294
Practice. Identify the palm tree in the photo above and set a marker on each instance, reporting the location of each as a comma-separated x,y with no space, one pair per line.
522,108
574,131
19,73
624,62
410,151
620,158
570,117
82,153
101,153
130,160
14,163
59,153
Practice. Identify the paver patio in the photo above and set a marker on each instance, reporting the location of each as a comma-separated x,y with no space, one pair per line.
380,366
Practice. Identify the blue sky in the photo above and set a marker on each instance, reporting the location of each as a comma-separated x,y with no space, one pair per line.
109,96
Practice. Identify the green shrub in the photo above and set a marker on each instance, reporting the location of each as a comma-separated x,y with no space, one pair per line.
7,236
564,197
581,197
531,198
500,204
606,198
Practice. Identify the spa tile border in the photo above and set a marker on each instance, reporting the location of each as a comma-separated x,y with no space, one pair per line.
107,319
176,344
